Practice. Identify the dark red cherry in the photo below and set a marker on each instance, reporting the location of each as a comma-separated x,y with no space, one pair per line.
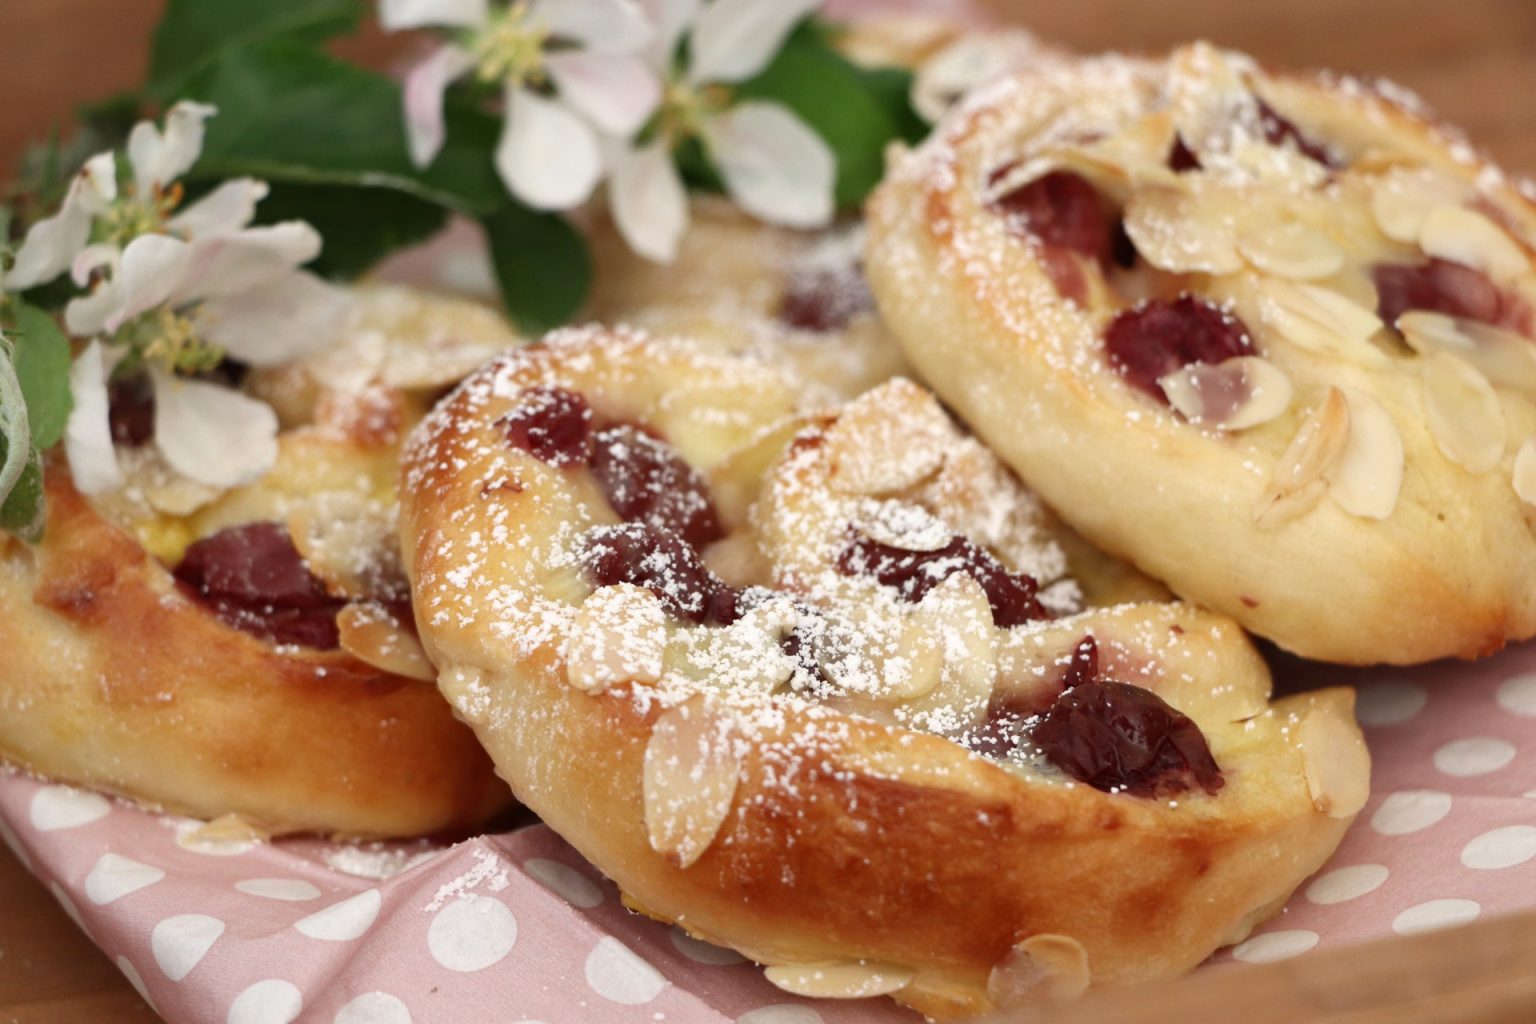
1181,158
825,299
1011,710
1440,286
552,424
1279,130
647,481
1122,738
131,410
253,579
1061,209
663,563
914,573
1157,337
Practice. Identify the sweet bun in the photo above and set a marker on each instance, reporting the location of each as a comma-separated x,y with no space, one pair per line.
820,685
1268,337
250,652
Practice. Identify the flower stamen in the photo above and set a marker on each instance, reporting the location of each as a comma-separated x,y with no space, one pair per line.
509,49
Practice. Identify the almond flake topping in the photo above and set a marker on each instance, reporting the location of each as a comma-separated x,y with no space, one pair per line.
1525,472
371,635
1463,412
1233,394
1046,965
1467,237
1185,232
1368,475
1321,321
1299,479
1403,197
956,617
689,780
619,634
1336,764
887,440
854,979
1288,248
1502,356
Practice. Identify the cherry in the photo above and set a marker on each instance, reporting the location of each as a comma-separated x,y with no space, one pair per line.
1440,286
825,299
131,410
659,560
1063,210
253,579
915,573
1011,710
1157,337
647,481
552,424
1279,130
1181,158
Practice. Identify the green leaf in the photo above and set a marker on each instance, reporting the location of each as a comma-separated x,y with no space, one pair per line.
42,359
193,33
892,87
542,264
22,510
360,226
290,114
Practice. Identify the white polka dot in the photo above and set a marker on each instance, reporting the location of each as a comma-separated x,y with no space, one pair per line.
472,934
292,890
56,807
14,842
373,1008
135,979
1389,703
1476,756
1349,883
1263,949
180,943
1427,917
1500,848
344,921
703,952
1410,811
565,881
69,906
1529,794
786,1013
1517,694
115,876
620,975
273,1001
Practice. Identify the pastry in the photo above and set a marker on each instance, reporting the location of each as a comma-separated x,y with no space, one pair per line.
1269,337
821,685
252,652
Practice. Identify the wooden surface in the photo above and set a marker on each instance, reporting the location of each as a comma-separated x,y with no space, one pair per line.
1473,60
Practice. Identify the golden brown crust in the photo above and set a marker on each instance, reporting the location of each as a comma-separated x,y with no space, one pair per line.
913,865
1442,569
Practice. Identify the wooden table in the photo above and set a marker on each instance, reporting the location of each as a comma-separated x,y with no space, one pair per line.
1474,61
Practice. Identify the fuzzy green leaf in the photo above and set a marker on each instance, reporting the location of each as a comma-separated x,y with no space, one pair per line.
542,264
360,226
21,512
193,33
42,359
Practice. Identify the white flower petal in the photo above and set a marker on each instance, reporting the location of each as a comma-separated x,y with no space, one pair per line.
101,256
617,94
294,316
224,265
650,206
159,158
152,269
424,87
775,167
670,18
88,432
227,208
398,14
53,242
547,156
601,26
735,39
87,315
211,434
98,183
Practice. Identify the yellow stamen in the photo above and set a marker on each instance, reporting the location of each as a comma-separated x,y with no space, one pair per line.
510,50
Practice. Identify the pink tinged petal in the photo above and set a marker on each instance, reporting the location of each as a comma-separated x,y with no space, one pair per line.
87,432
775,167
227,208
735,39
292,317
617,94
225,265
53,243
601,26
153,267
159,158
650,206
210,433
398,14
547,156
424,87
671,19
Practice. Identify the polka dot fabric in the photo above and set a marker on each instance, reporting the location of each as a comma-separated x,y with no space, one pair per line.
517,927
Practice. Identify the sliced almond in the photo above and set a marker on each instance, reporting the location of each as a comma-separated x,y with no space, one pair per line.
1048,967
370,634
1137,154
922,667
1404,196
348,541
1321,320
971,60
1525,472
1336,763
853,979
1465,236
1233,394
887,439
689,780
1287,248
957,618
1463,412
901,524
1184,232
619,634
1368,475
1502,356
1299,479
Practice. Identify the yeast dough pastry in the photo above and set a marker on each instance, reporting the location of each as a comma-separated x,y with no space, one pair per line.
821,685
252,652
1269,337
